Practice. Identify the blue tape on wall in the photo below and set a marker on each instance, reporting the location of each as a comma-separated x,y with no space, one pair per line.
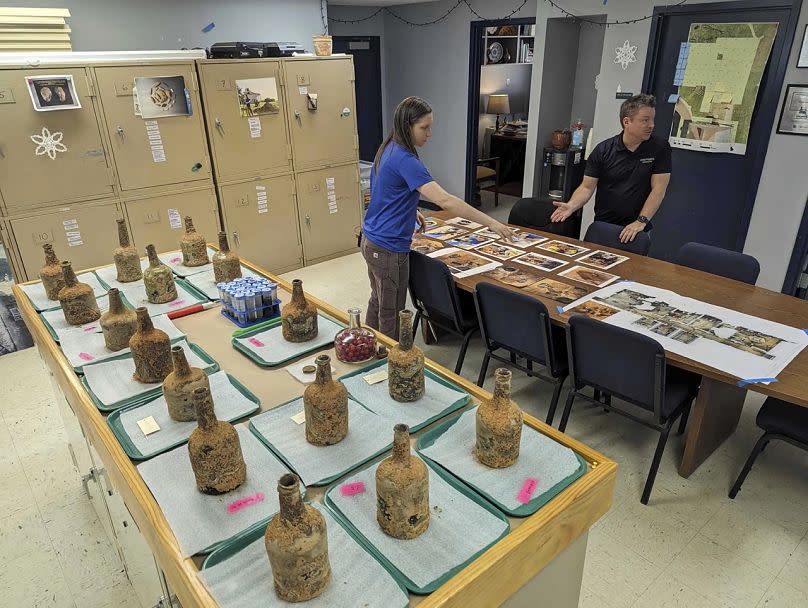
742,383
208,27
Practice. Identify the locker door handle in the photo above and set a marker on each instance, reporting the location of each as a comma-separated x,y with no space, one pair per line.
236,239
299,117
219,126
119,131
308,220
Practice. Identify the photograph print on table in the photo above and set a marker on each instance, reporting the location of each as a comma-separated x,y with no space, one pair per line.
487,233
526,239
594,309
424,245
556,290
542,262
602,259
463,263
468,241
562,248
500,251
432,222
511,275
445,232
590,276
464,223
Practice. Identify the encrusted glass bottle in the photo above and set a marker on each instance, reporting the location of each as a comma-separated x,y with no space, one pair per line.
296,541
179,385
325,402
405,364
158,279
499,425
193,246
77,299
119,323
151,350
127,260
355,344
226,263
214,449
402,490
299,316
51,273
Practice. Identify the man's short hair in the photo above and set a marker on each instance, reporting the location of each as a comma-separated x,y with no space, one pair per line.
633,104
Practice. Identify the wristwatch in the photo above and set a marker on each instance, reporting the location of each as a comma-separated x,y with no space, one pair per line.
643,220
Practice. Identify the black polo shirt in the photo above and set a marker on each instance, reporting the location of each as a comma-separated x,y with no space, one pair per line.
624,177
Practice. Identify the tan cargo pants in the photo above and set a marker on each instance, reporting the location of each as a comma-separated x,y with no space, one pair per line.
389,274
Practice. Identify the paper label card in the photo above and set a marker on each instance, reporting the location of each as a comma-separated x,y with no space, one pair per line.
148,425
376,377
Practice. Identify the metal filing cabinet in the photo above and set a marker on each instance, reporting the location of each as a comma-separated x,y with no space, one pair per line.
185,157
256,145
158,220
262,222
330,211
323,130
83,234
53,157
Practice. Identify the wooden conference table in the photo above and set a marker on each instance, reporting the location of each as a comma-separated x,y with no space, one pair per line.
718,406
542,555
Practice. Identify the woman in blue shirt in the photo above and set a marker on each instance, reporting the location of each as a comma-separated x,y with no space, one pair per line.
397,182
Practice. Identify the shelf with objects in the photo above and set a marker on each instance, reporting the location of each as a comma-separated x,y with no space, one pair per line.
503,44
258,382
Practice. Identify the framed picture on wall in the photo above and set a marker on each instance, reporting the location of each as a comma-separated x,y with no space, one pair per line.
794,113
802,60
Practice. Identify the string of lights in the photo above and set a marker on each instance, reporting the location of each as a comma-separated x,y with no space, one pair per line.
569,15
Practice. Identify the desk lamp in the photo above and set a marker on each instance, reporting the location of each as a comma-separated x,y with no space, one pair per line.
498,104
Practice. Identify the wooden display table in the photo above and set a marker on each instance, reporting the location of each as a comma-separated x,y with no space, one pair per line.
535,544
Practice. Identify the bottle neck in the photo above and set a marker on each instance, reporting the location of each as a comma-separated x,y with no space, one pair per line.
323,370
123,234
181,367
205,416
290,501
502,386
189,225
50,255
116,306
297,292
144,322
154,261
224,246
354,316
401,443
68,275
405,337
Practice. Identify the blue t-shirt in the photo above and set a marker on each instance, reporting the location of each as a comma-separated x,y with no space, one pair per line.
390,218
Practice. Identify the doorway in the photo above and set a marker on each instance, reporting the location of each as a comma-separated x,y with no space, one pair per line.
500,68
366,52
711,195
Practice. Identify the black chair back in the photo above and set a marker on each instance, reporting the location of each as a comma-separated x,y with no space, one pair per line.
516,322
534,213
617,361
723,262
433,290
608,235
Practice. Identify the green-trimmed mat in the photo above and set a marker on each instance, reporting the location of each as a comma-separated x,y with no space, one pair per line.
238,573
368,436
470,519
35,292
140,399
269,336
417,414
58,318
116,424
529,453
173,259
187,295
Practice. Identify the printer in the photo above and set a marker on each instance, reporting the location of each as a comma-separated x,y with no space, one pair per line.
249,50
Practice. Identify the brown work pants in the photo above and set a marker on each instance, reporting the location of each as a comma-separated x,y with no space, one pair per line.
389,273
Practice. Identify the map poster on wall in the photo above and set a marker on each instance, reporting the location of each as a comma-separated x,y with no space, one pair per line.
718,75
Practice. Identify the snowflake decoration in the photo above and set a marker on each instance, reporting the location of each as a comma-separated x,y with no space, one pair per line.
625,55
48,143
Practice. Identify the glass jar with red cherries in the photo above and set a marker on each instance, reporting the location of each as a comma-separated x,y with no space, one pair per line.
355,344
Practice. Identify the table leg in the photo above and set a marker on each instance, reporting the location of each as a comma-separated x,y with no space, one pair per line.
714,417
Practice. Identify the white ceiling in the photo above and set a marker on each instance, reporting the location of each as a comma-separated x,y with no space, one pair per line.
377,2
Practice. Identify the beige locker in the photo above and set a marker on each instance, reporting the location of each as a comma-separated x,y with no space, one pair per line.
326,135
51,157
158,220
330,211
261,217
242,146
84,234
136,142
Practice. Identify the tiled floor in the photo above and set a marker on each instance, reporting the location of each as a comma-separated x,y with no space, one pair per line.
690,547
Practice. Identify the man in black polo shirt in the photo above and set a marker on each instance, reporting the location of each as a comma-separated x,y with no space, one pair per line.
631,172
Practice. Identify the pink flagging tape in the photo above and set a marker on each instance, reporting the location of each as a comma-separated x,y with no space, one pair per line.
349,489
86,357
239,504
528,488
90,328
255,342
176,303
176,260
